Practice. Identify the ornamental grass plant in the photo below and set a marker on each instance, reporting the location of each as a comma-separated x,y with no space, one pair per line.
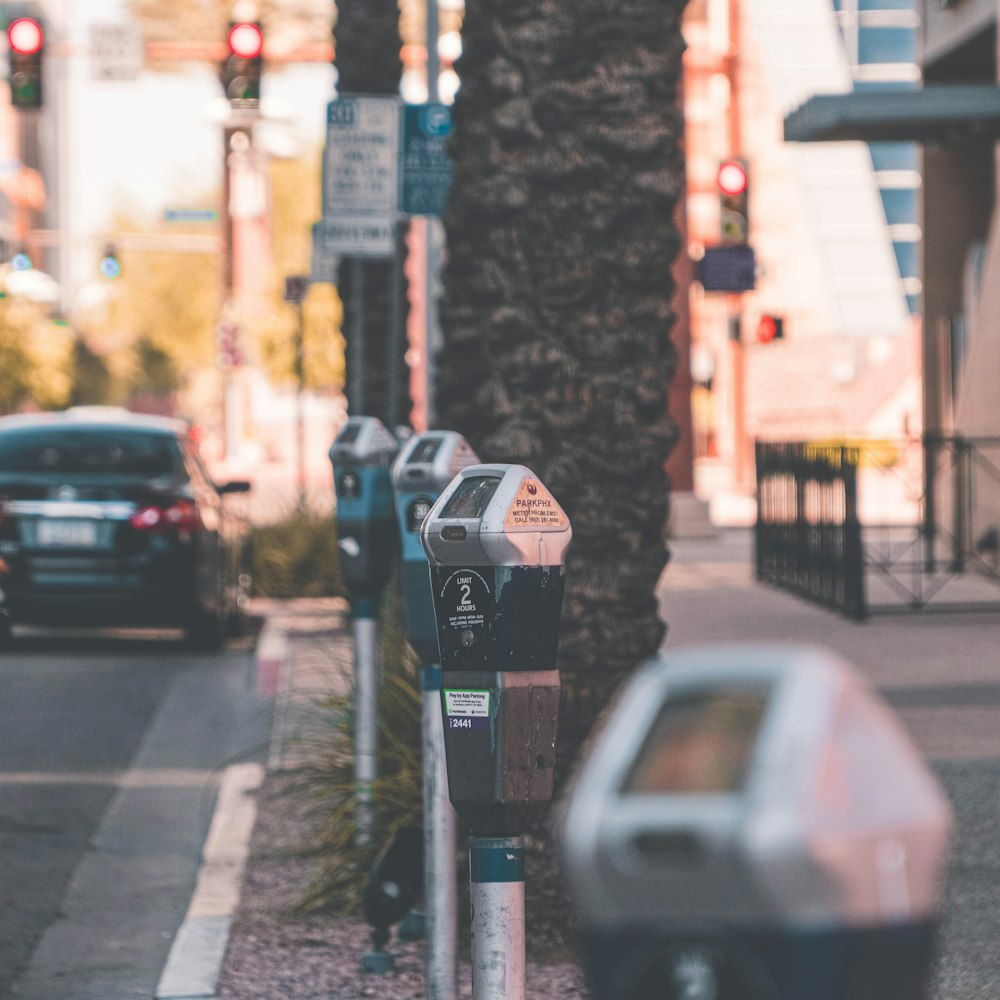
296,556
326,775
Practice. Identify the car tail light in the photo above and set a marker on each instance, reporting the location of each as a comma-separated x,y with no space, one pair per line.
182,515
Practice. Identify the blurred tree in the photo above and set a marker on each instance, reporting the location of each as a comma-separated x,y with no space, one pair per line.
557,296
93,384
35,357
155,370
323,346
367,44
295,205
169,299
15,364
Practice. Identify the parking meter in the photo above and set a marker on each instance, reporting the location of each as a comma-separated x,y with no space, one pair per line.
427,463
496,540
361,455
753,824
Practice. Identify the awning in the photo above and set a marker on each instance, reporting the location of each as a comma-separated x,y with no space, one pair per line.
939,113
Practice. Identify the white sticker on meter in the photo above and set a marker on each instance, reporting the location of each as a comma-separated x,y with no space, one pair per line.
466,709
534,507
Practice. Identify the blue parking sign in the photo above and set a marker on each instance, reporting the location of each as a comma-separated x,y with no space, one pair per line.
426,173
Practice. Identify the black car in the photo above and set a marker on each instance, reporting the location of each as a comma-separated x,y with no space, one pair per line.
110,518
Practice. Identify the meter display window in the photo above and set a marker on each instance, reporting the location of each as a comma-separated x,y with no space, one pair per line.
349,435
701,743
472,497
426,451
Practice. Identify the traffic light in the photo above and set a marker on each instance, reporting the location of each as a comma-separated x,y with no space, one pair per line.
242,66
110,266
770,328
734,187
21,261
26,38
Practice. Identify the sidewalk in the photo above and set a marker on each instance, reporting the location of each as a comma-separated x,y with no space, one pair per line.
941,673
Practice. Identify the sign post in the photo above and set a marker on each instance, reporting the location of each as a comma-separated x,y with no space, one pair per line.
115,51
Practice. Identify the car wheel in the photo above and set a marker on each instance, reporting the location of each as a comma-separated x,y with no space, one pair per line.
205,631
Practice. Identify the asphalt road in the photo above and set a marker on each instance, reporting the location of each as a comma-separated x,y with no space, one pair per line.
110,752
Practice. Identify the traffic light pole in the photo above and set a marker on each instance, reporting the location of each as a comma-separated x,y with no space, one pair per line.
237,139
742,460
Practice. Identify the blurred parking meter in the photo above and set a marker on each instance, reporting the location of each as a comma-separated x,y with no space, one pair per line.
496,540
753,824
426,465
361,455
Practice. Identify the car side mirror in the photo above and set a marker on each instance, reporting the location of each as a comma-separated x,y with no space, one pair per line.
235,486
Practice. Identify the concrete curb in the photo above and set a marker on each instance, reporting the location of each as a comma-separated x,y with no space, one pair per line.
272,650
196,955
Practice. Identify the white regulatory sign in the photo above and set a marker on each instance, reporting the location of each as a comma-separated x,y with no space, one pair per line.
360,175
115,51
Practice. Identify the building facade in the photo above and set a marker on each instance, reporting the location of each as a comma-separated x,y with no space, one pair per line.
835,230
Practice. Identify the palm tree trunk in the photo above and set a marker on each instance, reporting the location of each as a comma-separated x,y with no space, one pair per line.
556,313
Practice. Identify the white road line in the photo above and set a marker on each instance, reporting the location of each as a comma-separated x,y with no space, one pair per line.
196,956
168,777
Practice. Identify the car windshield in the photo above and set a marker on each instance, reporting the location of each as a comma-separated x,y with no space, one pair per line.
88,450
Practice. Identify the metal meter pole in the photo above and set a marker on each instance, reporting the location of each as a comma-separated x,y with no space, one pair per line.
440,878
366,717
496,867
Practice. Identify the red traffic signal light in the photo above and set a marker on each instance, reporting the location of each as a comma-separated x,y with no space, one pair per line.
241,69
25,36
246,40
26,39
732,177
734,187
770,328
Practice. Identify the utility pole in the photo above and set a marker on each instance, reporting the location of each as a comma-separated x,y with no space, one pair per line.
433,229
296,288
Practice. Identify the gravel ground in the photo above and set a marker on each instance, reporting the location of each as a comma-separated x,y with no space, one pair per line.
275,956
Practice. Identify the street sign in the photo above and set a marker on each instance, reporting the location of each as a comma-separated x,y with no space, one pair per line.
190,215
361,176
116,51
296,287
426,165
324,265
356,236
727,269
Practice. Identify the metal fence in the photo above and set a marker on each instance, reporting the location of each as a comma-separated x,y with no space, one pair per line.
880,526
808,537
